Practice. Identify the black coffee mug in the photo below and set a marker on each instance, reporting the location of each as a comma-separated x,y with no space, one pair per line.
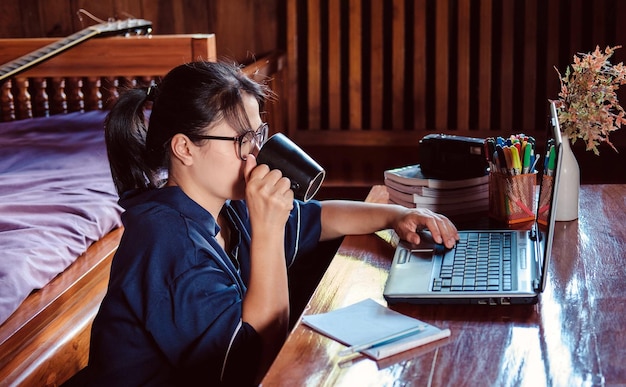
306,175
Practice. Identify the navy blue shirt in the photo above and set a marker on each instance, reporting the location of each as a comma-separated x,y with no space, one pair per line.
173,310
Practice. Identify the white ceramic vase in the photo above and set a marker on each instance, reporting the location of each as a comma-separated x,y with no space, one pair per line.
569,185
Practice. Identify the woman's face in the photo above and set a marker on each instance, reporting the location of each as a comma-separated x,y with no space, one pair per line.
221,169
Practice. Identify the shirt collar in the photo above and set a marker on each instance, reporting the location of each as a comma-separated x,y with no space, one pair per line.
175,198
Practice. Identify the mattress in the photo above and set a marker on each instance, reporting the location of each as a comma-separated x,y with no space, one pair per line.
56,199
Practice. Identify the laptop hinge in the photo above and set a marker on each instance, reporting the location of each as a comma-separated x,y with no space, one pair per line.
536,284
534,234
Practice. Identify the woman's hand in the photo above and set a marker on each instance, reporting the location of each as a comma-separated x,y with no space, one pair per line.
411,221
268,194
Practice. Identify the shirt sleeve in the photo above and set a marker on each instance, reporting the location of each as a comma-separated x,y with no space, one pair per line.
245,350
303,229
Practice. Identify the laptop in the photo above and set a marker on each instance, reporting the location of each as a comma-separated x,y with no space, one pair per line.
516,268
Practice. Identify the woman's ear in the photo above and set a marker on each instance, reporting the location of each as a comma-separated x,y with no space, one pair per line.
181,148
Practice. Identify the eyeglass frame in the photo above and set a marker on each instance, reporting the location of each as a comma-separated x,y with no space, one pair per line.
263,130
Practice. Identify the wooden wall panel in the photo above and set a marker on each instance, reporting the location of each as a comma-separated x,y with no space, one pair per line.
314,65
13,14
441,53
468,67
355,66
484,65
293,62
508,66
419,97
463,63
334,66
530,65
376,62
398,60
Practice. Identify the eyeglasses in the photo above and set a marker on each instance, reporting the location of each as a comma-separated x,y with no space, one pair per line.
248,141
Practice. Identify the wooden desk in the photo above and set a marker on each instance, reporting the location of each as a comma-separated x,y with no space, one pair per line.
574,336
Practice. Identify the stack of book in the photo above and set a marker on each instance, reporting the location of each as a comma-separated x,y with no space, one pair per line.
409,187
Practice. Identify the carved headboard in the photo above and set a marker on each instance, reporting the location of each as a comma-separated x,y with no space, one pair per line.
88,76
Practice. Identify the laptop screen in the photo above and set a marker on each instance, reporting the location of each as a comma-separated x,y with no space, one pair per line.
548,191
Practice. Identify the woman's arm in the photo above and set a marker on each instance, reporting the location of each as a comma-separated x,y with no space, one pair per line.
341,217
266,303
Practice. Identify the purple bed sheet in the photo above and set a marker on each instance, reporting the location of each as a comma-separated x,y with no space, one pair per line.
56,198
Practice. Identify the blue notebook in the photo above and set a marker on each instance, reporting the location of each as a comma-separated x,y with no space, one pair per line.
368,322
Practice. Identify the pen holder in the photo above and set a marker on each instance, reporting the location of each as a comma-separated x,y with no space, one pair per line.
512,197
545,196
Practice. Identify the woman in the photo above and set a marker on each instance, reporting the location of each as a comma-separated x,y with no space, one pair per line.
199,289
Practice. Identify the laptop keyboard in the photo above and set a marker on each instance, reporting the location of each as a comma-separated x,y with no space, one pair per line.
478,262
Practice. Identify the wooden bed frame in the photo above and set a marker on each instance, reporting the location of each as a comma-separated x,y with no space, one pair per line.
46,340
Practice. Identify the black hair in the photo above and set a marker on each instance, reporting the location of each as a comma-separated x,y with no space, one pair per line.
191,98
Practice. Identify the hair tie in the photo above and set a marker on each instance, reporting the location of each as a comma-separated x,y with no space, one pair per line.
151,92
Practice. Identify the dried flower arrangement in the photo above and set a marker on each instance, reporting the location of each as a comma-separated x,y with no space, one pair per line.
588,107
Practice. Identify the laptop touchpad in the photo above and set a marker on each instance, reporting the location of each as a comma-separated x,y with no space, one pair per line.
421,258
412,271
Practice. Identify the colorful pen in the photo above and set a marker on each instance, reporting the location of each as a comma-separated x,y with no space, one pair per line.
534,165
501,159
514,154
509,159
516,165
551,161
527,156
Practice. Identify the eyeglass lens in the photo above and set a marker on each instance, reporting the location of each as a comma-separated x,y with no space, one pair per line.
252,140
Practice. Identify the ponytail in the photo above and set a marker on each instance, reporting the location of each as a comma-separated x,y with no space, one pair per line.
125,135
